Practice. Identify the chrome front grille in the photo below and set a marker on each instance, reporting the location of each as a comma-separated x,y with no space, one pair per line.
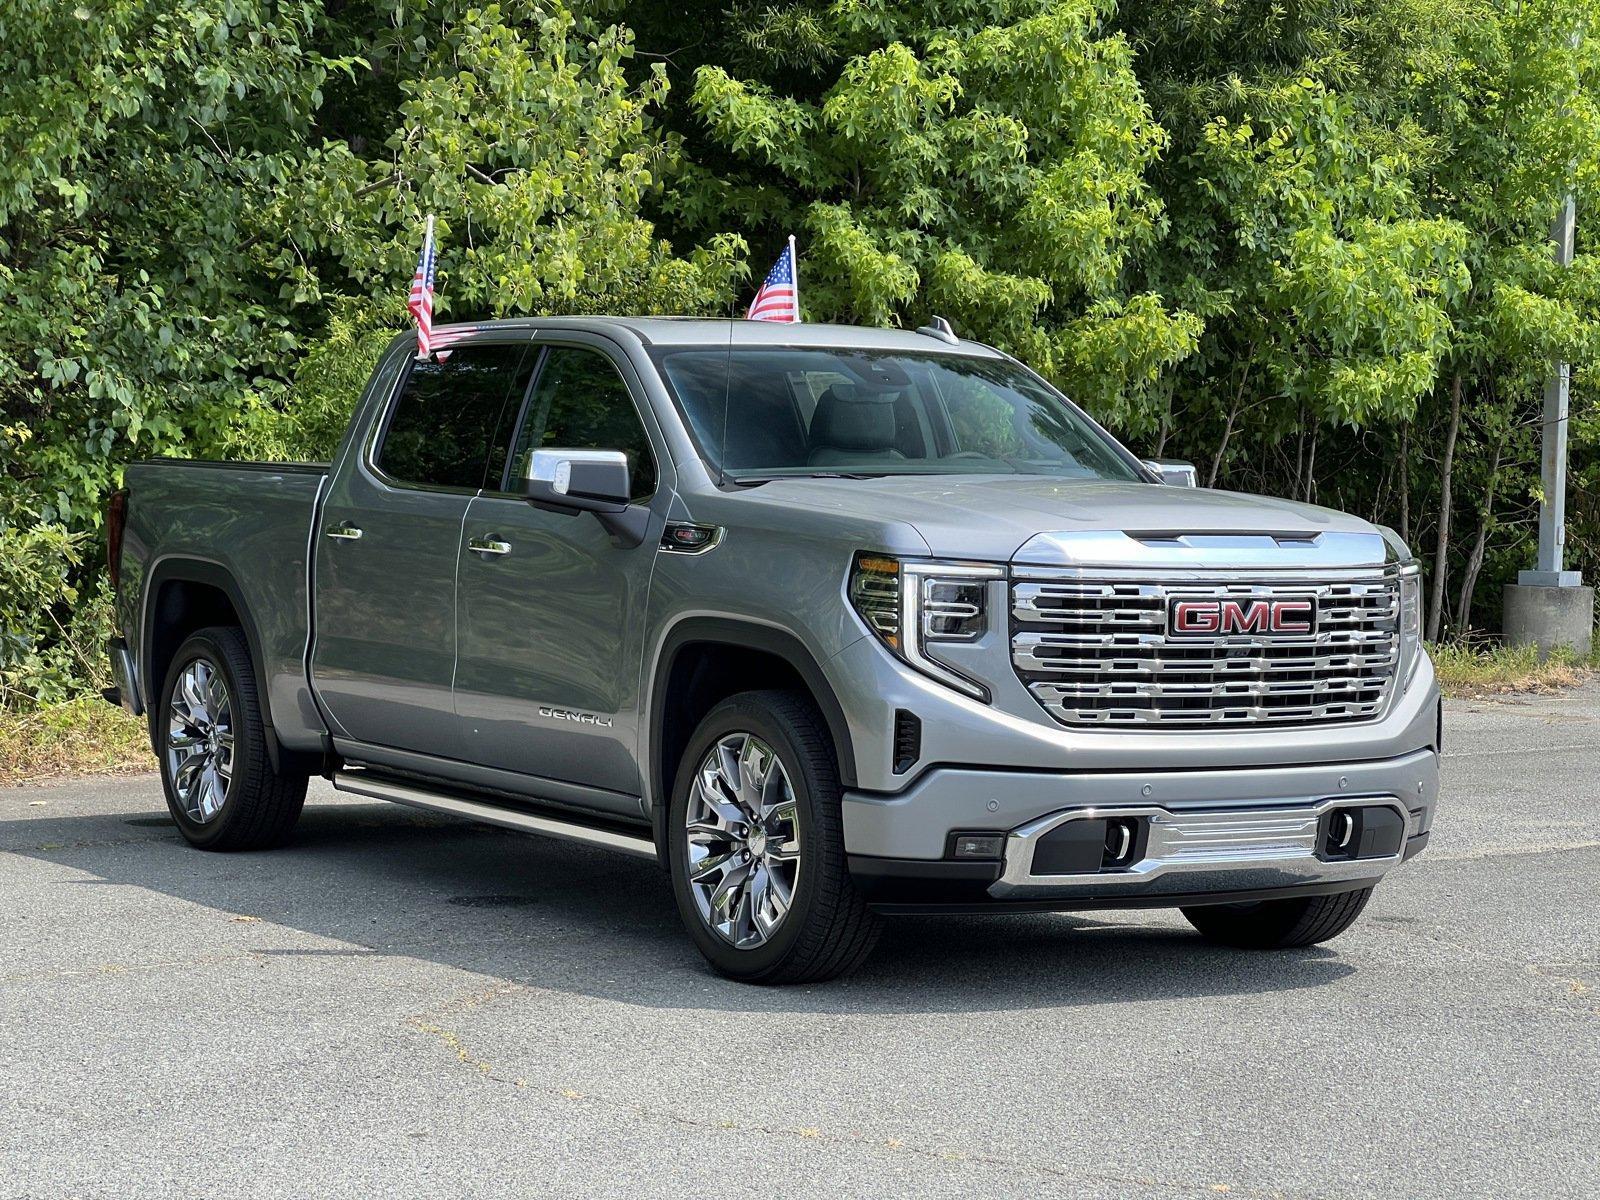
1099,652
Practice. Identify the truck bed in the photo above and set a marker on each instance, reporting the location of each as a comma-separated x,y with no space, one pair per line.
248,526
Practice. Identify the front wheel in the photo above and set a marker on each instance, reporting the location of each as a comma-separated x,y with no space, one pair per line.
215,767
756,845
1279,924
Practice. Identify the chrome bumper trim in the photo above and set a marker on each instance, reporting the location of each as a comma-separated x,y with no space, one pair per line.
1202,851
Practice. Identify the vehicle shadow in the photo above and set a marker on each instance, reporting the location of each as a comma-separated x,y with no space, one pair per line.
381,880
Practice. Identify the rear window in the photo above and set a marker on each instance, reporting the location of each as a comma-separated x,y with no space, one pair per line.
445,421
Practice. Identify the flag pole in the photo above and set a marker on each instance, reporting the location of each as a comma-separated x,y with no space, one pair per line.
427,255
794,269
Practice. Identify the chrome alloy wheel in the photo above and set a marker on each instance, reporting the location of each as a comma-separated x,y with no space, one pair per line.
743,840
200,741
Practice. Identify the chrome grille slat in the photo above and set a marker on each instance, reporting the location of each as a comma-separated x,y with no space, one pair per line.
1096,652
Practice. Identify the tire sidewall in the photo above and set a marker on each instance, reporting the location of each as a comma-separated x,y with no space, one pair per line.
245,752
747,715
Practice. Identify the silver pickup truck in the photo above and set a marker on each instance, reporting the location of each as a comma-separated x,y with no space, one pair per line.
829,622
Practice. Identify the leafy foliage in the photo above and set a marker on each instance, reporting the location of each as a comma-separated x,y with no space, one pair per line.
986,162
209,213
1304,243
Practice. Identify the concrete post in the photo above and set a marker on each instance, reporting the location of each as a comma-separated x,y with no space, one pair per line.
1550,618
1548,607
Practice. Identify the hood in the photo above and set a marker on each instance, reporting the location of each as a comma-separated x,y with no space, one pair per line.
998,518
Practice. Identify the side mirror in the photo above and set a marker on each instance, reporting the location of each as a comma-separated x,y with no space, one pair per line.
594,481
1173,472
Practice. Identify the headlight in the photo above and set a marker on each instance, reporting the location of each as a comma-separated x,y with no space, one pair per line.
914,607
1410,620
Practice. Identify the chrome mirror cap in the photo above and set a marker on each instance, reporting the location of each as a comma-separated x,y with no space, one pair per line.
1173,472
593,474
594,481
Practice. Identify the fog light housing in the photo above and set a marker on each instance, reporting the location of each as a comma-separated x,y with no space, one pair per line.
978,845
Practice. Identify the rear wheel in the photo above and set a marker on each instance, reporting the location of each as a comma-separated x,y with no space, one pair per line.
756,845
1279,924
215,768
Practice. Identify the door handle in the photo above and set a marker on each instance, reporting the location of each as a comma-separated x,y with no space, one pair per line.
345,532
489,545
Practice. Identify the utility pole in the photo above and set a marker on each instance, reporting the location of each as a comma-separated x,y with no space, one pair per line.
1547,570
1549,607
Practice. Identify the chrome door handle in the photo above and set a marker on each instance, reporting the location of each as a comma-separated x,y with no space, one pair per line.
489,545
345,532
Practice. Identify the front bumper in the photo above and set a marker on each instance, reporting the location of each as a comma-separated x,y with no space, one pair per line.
1200,833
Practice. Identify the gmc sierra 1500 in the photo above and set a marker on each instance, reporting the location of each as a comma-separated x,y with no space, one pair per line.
830,622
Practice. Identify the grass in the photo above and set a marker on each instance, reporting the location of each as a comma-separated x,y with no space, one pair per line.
82,737
1475,669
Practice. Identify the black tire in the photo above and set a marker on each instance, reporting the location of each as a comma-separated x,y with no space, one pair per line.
828,930
1279,924
261,805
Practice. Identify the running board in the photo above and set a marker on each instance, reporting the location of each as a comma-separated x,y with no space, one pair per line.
364,783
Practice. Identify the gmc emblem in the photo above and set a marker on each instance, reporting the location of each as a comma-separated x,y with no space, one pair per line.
1290,616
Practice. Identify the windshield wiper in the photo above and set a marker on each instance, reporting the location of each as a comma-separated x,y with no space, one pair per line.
757,480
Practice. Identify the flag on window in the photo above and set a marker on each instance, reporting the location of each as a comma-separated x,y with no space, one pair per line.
421,301
779,297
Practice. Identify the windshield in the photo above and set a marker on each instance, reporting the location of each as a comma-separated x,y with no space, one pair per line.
775,411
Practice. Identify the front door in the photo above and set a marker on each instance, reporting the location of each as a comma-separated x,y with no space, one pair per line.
551,607
386,550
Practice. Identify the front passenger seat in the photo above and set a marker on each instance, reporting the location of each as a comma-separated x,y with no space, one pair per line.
849,429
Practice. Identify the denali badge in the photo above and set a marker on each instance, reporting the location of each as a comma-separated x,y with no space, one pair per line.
572,714
1290,616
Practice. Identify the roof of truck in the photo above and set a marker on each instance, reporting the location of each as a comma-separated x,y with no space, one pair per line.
704,331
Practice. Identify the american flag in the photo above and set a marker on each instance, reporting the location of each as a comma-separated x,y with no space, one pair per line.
779,297
421,300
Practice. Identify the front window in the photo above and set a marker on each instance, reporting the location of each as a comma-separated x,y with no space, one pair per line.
769,412
581,403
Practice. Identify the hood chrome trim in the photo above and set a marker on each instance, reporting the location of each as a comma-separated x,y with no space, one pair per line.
1167,550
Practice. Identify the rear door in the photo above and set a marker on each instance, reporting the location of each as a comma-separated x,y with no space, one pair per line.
551,629
384,656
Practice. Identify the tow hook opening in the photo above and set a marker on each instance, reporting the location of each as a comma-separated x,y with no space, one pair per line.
1360,831
1092,846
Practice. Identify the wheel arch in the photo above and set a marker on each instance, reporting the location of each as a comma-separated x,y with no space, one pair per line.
184,594
703,660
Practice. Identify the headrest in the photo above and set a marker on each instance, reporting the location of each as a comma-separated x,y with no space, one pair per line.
846,420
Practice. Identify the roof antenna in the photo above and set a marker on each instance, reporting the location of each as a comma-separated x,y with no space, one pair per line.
939,328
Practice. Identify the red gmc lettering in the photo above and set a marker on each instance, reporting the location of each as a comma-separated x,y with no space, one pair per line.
1292,616
1196,616
1221,617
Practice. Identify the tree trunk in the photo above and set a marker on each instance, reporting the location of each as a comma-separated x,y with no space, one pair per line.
1227,430
1311,470
1440,558
1469,581
1299,452
1222,448
1405,483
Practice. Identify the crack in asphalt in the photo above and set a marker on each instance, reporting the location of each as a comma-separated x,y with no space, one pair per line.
451,1041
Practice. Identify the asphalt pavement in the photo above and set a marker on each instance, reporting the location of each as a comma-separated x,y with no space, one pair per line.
398,1004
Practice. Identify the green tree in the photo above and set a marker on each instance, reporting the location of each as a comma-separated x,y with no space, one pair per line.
1360,201
210,209
982,161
